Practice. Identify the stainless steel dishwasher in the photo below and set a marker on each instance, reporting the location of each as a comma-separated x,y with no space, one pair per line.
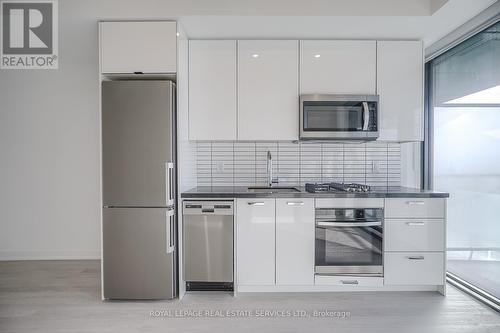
208,245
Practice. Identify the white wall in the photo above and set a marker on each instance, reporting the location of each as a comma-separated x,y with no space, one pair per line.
49,130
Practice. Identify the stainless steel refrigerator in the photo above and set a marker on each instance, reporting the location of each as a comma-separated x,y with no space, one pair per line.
139,189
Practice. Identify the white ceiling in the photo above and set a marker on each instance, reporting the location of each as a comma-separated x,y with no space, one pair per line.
307,7
428,20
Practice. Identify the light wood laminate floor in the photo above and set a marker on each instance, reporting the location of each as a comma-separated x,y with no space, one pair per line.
64,296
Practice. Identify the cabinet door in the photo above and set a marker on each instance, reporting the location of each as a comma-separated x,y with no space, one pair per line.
268,89
148,47
212,90
400,71
337,67
295,241
255,241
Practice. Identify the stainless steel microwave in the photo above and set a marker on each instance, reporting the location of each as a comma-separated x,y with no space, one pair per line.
339,117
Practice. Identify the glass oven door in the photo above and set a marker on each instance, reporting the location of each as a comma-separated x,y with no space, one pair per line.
349,241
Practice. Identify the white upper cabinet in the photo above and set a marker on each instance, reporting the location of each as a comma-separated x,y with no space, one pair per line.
400,71
212,90
295,241
255,241
147,47
249,90
337,67
268,72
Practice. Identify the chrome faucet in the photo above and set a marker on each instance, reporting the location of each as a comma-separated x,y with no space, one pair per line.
270,180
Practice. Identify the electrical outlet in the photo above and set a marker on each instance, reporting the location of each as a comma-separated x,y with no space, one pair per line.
375,167
220,167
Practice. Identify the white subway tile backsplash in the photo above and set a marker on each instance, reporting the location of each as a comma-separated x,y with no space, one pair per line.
288,162
310,163
244,163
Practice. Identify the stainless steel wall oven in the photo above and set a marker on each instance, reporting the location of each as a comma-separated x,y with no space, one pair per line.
349,241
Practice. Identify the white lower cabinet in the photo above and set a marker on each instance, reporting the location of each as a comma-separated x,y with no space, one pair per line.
414,241
255,242
414,268
275,244
295,241
415,208
414,235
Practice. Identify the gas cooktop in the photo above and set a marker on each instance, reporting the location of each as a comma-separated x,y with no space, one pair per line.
336,187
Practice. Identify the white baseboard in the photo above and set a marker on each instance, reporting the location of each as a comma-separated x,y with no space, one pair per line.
7,255
316,288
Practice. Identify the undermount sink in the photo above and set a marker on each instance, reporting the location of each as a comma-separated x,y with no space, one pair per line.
277,189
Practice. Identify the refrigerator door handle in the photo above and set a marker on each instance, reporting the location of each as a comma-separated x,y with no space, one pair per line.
168,226
169,170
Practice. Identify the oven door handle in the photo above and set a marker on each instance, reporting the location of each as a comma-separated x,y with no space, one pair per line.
349,224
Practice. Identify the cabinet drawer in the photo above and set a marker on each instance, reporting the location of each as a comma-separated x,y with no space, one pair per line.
414,235
414,268
415,207
349,281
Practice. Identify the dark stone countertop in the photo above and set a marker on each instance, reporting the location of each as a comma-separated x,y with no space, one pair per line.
242,192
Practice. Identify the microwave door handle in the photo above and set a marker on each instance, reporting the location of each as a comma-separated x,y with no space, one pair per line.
366,116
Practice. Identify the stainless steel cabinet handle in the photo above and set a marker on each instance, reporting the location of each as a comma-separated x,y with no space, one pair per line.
415,223
256,204
349,281
414,203
366,116
416,258
169,189
168,234
295,203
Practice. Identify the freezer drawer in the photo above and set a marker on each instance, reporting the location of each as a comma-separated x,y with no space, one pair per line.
138,253
208,241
